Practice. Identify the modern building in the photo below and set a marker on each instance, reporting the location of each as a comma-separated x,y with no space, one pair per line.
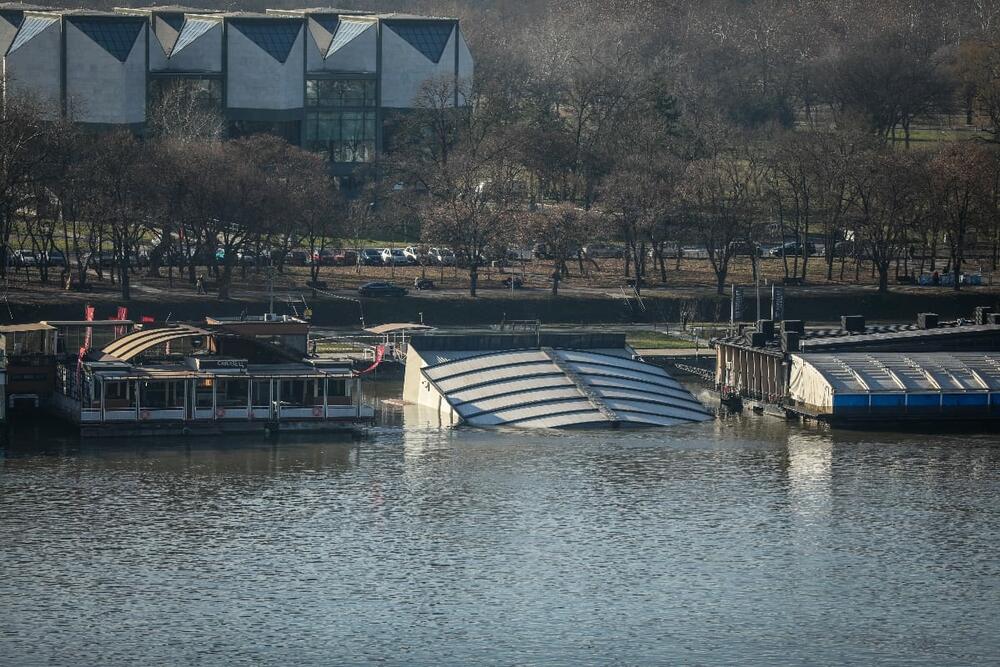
330,80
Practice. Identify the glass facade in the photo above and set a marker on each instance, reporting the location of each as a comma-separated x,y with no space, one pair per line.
338,93
179,91
340,119
346,136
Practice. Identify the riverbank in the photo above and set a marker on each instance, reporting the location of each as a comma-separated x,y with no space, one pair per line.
342,308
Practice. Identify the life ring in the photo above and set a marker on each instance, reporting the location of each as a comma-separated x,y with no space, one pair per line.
143,414
220,413
317,411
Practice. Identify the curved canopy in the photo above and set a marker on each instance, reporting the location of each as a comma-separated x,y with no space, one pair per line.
553,388
853,379
134,344
397,327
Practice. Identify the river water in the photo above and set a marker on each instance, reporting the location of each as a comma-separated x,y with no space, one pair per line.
739,542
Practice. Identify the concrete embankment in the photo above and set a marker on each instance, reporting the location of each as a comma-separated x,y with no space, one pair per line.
814,305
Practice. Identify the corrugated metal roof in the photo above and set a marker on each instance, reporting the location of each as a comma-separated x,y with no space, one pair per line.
30,28
854,372
19,328
192,30
550,388
133,344
345,34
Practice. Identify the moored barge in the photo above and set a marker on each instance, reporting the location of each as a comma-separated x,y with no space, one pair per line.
220,377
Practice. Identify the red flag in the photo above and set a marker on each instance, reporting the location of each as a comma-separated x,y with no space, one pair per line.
121,316
379,354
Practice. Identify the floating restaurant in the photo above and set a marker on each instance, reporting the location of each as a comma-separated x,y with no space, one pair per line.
928,371
222,376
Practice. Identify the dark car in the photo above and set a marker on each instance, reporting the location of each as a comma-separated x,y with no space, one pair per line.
297,257
793,248
55,258
381,289
370,257
513,282
423,283
745,249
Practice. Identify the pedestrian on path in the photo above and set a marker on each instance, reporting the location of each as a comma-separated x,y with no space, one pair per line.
201,284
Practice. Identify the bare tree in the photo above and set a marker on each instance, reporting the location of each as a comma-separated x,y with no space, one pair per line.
960,177
887,205
563,229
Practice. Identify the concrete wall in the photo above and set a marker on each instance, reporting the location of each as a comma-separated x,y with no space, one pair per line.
257,81
7,32
404,69
33,70
358,55
314,56
157,53
99,88
204,54
466,69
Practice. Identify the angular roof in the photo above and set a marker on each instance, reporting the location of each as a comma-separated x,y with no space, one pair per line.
192,30
30,28
427,36
115,33
275,36
555,388
346,32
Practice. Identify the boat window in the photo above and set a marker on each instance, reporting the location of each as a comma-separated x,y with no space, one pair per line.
203,393
261,395
231,392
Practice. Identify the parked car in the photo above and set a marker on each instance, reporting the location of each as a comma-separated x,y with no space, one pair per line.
24,258
793,248
417,254
602,251
423,283
540,251
297,257
370,257
325,257
345,257
381,289
395,256
745,249
55,258
520,254
104,259
442,256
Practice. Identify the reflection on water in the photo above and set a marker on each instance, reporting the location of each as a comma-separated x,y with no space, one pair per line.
740,541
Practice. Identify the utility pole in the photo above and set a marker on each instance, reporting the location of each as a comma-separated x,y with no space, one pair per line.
270,292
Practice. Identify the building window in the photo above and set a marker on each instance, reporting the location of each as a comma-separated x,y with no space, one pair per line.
347,136
338,93
178,92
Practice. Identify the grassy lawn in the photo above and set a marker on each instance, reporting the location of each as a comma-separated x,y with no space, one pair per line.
654,340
